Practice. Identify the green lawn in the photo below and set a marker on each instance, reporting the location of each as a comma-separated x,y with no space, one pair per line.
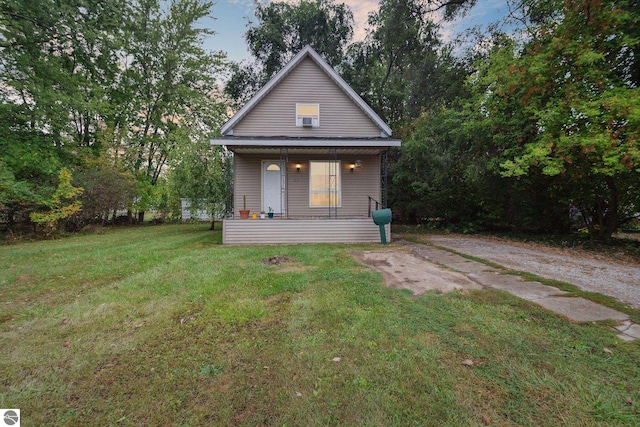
164,326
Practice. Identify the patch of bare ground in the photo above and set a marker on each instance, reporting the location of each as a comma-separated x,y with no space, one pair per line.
276,260
404,270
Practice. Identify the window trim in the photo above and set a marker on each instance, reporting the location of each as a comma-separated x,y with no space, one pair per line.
339,186
315,120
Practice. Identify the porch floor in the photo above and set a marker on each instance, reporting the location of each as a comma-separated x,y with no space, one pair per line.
300,230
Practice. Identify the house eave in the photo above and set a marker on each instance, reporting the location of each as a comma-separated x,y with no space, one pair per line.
307,142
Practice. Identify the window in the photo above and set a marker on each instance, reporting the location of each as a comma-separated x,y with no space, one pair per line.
324,184
308,115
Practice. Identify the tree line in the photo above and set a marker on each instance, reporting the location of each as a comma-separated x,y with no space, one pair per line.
536,129
111,103
106,106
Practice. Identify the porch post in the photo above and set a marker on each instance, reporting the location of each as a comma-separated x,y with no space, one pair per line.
383,179
229,184
284,182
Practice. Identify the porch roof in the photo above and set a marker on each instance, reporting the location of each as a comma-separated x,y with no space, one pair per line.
245,143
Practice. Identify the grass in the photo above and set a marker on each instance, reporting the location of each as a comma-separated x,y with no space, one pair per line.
145,325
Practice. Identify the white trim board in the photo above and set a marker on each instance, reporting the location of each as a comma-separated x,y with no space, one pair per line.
359,143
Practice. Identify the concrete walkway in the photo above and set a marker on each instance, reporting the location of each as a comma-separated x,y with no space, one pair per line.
553,299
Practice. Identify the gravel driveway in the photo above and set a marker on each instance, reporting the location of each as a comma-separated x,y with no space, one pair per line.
618,280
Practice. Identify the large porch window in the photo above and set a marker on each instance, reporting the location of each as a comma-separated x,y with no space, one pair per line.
325,187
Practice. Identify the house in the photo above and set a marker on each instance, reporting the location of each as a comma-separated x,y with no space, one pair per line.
307,148
189,214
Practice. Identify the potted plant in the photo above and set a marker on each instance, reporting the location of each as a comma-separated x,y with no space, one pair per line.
244,213
270,212
262,216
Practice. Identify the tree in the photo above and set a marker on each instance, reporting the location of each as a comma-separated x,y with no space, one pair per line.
57,60
449,166
169,87
402,68
61,205
574,81
283,30
107,189
87,79
439,174
201,173
451,8
28,166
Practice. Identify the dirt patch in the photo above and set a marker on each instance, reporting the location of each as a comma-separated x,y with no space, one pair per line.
25,279
277,260
405,270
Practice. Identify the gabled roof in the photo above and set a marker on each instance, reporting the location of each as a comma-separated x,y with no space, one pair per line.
308,51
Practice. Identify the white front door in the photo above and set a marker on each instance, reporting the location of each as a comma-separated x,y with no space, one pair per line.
273,186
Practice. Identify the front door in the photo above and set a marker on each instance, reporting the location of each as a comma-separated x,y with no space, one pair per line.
273,186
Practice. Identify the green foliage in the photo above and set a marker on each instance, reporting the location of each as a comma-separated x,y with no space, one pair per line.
568,80
558,120
61,203
283,29
14,194
169,83
441,164
29,166
402,68
59,60
126,82
107,188
201,173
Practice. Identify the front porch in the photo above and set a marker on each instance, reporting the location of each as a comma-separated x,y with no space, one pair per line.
304,230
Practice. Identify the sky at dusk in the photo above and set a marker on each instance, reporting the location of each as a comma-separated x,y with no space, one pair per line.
230,19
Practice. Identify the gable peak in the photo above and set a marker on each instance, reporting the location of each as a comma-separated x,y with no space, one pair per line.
306,52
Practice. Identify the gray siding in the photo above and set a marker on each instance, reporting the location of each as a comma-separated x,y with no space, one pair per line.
275,114
247,180
279,231
356,186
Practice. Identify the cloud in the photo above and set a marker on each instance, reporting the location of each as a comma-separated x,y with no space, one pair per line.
361,10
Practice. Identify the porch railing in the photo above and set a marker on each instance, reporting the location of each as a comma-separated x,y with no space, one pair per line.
371,203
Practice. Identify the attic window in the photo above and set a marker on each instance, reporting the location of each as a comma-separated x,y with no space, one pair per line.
308,115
